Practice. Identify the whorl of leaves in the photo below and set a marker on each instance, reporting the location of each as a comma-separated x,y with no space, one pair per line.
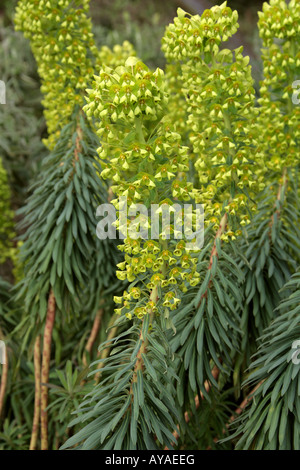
207,325
272,421
129,409
61,250
271,249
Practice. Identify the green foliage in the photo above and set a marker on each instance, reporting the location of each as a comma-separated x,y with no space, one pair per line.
189,327
6,306
132,407
271,254
208,423
61,250
140,23
207,324
22,125
13,437
66,396
272,420
6,218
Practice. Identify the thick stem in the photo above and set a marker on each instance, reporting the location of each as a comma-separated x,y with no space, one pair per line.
45,369
78,147
280,195
3,385
221,230
93,335
37,395
214,252
105,352
139,359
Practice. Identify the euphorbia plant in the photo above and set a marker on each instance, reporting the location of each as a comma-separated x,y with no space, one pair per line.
187,321
143,157
225,134
63,46
272,243
61,254
224,139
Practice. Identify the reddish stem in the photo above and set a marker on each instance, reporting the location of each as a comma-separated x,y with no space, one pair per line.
3,385
239,410
215,372
214,251
282,187
93,335
37,395
45,369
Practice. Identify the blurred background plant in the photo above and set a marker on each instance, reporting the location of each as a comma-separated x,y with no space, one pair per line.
21,121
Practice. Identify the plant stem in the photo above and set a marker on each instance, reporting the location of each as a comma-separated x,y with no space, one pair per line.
139,360
37,395
280,198
105,352
93,335
3,385
214,252
45,369
221,230
139,130
239,410
78,146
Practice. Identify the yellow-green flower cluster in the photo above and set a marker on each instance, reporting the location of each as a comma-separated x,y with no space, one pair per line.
6,219
279,19
171,270
115,56
279,28
62,42
222,116
177,103
225,137
188,38
143,156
